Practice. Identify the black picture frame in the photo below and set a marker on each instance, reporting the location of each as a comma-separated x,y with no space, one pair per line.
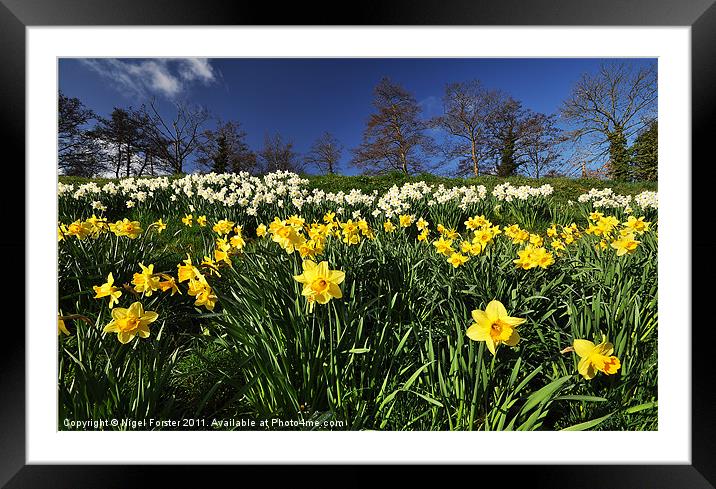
700,15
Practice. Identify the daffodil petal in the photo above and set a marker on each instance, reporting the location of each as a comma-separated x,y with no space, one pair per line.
478,333
495,310
480,317
136,309
149,317
335,291
111,327
119,313
490,345
583,347
125,337
586,368
513,321
513,339
336,276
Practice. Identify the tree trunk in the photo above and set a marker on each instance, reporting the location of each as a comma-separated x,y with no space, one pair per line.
404,162
129,159
475,165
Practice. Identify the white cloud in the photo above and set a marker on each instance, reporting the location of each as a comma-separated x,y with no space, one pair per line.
197,69
143,78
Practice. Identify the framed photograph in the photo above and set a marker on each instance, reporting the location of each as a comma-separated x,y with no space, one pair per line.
403,241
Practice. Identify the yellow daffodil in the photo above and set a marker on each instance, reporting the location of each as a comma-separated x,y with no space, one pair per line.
223,227
169,284
108,290
532,257
557,245
128,323
388,226
444,246
405,220
422,224
201,221
261,230
202,292
286,236
595,358
125,227
637,225
61,328
319,283
296,221
97,225
160,225
187,271
451,233
147,281
209,264
457,259
625,244
494,326
237,242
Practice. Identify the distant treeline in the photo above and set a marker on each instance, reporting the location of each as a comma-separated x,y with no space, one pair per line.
607,128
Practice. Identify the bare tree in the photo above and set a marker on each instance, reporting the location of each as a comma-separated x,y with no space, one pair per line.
609,107
325,154
394,136
177,138
277,155
541,140
467,107
119,136
77,152
224,149
505,135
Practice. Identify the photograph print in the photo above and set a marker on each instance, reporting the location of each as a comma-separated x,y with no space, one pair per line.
349,244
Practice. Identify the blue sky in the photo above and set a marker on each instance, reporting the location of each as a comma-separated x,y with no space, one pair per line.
303,97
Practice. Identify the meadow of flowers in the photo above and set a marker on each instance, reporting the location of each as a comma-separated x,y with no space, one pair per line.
213,300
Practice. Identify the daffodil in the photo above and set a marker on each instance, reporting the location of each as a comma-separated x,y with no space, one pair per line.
595,358
147,281
79,229
319,283
169,284
237,241
61,328
625,244
223,227
125,227
444,246
295,221
200,289
457,259
494,326
405,220
201,221
128,323
187,271
261,230
388,226
161,226
108,290
187,220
